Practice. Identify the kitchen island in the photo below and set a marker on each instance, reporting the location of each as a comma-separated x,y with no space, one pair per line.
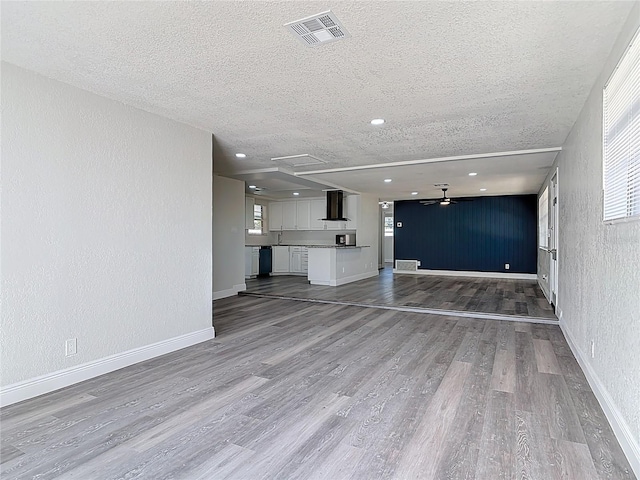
335,265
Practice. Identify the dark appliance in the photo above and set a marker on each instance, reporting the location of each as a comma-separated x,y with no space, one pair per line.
335,205
264,266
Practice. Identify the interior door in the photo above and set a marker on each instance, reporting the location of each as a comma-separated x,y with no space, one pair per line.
553,240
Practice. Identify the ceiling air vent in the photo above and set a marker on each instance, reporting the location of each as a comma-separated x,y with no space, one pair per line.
318,29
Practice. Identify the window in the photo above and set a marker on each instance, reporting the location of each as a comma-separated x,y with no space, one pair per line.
258,220
388,226
621,137
543,219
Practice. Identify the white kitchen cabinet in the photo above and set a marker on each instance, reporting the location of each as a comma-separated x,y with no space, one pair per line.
298,260
251,261
281,260
317,211
289,215
352,207
275,216
249,203
303,212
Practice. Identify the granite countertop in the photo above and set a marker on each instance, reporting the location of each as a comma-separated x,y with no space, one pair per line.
311,246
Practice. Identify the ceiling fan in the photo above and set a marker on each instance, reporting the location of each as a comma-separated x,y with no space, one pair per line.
444,200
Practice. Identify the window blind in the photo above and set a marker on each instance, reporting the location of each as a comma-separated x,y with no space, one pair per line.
621,137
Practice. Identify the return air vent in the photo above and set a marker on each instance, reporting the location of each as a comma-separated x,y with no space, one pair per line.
318,29
299,160
406,265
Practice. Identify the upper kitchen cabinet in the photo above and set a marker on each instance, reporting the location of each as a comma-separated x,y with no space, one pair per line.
289,215
317,211
275,216
303,214
352,211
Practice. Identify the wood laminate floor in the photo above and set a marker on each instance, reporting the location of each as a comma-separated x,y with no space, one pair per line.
297,390
522,298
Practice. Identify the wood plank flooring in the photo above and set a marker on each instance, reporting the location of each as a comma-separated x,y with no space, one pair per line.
465,294
298,390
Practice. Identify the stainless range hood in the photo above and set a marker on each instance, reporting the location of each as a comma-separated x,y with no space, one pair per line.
335,200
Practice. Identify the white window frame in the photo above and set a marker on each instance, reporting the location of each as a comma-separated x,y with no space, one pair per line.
543,219
260,218
621,138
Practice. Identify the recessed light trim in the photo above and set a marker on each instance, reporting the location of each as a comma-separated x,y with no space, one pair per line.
241,155
483,189
377,121
296,193
414,193
473,174
252,187
387,180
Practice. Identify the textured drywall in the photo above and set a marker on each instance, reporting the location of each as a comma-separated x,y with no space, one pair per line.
228,236
599,276
106,226
449,77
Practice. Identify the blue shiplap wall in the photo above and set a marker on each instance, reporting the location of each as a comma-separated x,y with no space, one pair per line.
480,235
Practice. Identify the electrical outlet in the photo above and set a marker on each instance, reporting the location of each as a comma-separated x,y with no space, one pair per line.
507,266
71,347
593,349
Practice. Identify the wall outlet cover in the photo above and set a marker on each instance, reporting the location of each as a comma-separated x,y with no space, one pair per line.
71,347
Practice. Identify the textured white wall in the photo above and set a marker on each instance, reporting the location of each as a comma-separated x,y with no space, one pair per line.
368,232
106,226
228,236
599,279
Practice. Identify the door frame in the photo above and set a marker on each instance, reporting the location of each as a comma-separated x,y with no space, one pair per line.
553,238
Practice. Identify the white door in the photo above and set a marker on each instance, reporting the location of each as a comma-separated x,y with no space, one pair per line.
280,259
553,240
275,216
317,211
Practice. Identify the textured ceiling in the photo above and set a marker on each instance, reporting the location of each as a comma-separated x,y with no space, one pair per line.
450,78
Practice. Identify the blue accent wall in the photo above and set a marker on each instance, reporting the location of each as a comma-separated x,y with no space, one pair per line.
479,235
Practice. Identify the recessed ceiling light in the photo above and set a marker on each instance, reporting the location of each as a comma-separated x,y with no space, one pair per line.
296,193
472,174
483,189
387,180
241,155
252,186
377,121
414,193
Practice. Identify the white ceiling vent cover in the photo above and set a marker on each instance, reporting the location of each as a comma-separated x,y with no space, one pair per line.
299,160
318,29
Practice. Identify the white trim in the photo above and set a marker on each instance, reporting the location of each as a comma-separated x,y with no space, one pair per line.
620,427
456,273
429,160
50,382
230,292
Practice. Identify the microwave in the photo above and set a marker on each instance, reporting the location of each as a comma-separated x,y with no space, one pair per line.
348,239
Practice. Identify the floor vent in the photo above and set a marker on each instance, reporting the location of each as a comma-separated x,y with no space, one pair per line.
407,265
318,29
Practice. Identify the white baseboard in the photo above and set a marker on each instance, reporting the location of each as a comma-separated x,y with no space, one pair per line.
620,427
230,292
34,387
456,273
354,278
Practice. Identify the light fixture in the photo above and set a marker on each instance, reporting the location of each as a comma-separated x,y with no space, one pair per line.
446,201
385,205
377,121
483,189
296,193
472,174
252,187
414,193
240,155
387,180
